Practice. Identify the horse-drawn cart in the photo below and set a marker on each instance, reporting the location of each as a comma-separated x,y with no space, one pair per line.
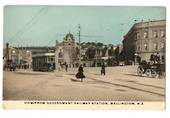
151,70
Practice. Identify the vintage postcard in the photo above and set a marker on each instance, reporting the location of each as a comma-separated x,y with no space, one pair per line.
84,57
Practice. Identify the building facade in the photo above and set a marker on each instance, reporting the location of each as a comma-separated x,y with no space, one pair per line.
67,51
145,39
23,55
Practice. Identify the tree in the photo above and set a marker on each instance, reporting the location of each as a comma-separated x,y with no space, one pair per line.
99,44
111,51
90,53
104,51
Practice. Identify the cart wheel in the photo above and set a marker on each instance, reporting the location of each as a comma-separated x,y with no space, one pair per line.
139,71
148,72
153,73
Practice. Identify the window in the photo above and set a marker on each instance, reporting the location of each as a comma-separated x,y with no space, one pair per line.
145,46
163,58
60,55
138,35
138,48
155,34
162,33
155,46
145,34
163,46
69,38
52,59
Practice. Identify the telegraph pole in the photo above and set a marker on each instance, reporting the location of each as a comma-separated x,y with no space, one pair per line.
79,29
7,54
96,53
7,51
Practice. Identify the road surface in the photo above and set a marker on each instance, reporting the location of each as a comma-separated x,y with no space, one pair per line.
119,84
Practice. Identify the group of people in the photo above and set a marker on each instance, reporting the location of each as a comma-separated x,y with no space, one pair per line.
154,64
80,75
155,58
13,66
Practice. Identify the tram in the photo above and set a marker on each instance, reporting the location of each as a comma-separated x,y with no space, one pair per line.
44,62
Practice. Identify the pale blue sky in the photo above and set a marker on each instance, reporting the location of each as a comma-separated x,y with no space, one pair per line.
42,25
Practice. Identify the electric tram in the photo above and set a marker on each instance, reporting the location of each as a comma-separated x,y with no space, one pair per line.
43,62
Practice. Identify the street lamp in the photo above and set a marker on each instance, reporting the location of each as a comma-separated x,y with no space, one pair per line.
13,55
135,58
13,51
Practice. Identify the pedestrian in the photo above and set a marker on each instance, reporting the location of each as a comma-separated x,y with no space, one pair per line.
66,67
11,67
103,71
80,74
157,57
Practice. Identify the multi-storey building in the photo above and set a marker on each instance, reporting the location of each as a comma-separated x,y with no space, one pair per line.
145,39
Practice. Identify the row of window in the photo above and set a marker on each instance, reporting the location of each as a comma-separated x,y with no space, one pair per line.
155,46
154,34
69,39
44,59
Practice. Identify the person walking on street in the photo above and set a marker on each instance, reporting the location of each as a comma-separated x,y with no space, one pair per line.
103,71
66,67
80,74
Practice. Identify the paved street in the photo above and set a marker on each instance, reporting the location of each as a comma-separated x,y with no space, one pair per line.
119,84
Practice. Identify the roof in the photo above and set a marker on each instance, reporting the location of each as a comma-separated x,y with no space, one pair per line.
146,24
43,54
34,47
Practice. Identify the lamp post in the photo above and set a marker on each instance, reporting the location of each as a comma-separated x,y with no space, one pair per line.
135,60
79,29
13,55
